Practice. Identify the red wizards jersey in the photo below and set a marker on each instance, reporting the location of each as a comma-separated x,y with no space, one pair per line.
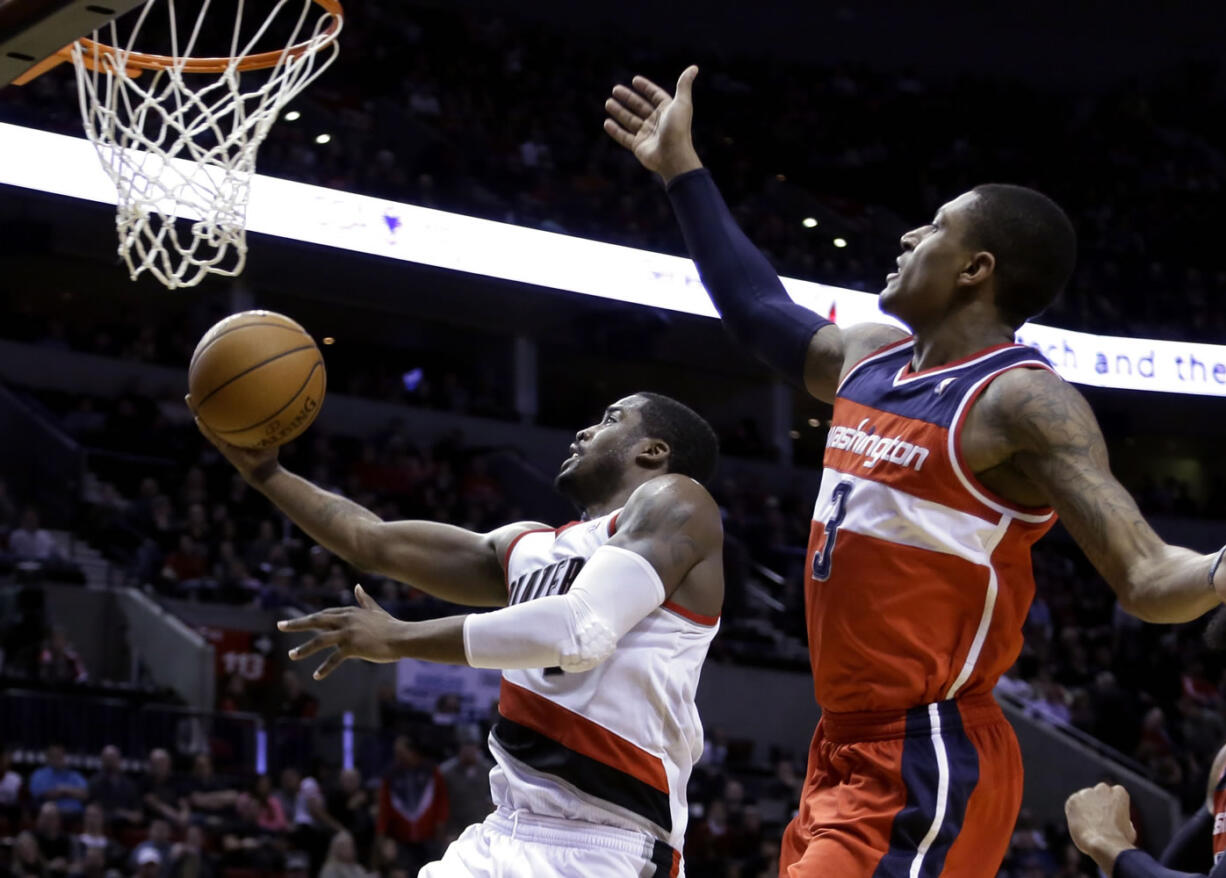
918,577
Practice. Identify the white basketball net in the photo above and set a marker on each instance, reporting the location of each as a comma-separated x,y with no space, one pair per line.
181,144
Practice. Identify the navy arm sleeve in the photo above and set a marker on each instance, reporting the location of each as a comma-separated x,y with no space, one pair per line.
1192,846
1138,864
745,289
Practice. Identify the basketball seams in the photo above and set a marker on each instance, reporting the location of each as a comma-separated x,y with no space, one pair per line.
319,364
250,369
290,327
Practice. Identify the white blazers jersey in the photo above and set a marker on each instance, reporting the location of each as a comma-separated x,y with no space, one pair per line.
614,745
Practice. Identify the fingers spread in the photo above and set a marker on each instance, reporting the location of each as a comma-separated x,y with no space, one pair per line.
622,116
314,645
650,90
324,620
364,600
618,133
331,663
632,100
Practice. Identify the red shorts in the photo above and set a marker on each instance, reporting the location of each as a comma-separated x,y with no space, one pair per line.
939,785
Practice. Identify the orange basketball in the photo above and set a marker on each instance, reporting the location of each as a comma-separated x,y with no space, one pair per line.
257,379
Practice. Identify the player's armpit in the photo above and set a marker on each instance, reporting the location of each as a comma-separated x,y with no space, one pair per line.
834,350
1053,439
448,562
674,524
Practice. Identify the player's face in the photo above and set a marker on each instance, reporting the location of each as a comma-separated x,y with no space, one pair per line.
601,453
933,256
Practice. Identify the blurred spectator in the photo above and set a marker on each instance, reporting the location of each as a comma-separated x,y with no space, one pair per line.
413,803
56,783
10,789
272,815
157,844
8,513
149,861
342,859
296,701
188,858
112,789
209,797
30,541
161,793
94,834
54,844
244,842
28,859
59,661
350,805
467,778
313,826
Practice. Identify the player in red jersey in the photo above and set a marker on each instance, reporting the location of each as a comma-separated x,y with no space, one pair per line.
952,450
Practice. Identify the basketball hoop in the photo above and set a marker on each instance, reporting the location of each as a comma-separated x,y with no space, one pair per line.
182,142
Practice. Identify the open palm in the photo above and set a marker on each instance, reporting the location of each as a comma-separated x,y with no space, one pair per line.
655,125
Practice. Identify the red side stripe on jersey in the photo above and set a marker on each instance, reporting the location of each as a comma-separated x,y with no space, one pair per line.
613,522
558,531
506,559
676,870
674,607
578,733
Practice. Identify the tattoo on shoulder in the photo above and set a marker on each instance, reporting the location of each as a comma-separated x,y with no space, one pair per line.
1060,447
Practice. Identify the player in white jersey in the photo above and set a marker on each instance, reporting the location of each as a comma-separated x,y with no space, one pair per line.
603,629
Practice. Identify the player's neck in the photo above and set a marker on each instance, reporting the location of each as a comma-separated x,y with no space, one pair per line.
954,339
615,500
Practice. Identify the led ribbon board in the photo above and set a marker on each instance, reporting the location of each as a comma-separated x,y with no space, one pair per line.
64,165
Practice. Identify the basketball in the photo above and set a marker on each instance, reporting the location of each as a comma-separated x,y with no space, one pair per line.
257,379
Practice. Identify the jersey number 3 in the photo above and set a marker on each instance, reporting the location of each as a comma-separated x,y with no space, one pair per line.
838,510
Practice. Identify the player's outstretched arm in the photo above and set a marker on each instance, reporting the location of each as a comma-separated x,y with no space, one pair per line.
1056,442
802,346
668,541
448,562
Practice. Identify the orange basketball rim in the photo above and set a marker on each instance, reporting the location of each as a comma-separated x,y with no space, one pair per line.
97,56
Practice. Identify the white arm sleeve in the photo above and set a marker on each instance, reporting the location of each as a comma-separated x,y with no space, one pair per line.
576,631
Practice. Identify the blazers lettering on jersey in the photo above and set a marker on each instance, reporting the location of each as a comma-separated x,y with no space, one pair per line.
554,579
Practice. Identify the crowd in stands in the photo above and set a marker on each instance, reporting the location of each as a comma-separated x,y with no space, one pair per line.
490,116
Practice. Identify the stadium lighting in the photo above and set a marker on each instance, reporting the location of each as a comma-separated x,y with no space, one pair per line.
293,116
323,138
839,242
809,222
63,165
813,422
329,340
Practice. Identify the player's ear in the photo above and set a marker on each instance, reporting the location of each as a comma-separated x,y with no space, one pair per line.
979,267
652,453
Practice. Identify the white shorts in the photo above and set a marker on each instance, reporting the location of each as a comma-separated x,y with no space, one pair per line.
529,846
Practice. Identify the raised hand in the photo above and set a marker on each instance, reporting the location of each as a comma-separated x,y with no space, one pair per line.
254,464
366,632
655,125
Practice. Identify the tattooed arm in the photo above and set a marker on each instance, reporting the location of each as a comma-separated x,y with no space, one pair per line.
1054,440
668,545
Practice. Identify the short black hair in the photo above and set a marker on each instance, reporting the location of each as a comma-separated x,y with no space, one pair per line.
693,447
1034,244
